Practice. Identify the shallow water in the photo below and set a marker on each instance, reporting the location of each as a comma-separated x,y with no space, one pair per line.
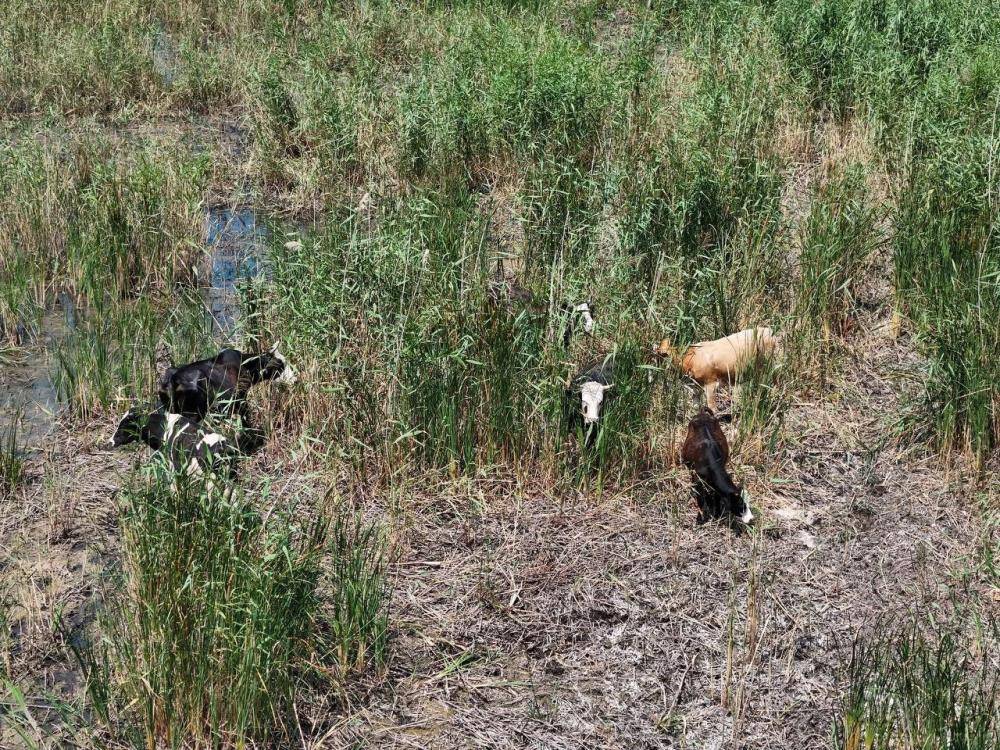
237,245
165,56
28,396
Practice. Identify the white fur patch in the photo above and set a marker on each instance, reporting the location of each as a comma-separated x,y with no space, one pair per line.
288,375
171,430
588,320
194,468
210,440
293,246
747,516
591,397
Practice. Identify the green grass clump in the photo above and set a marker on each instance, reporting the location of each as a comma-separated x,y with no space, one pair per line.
110,357
839,236
910,689
81,56
357,610
119,235
947,273
505,89
213,622
11,459
925,76
80,217
764,398
645,157
422,359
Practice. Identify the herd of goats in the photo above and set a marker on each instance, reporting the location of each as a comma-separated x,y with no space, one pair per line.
219,386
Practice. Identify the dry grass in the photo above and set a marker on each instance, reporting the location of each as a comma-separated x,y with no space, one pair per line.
526,613
524,619
524,616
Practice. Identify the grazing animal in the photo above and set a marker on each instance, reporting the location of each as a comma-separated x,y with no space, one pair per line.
221,381
580,314
575,316
186,447
720,362
706,453
590,387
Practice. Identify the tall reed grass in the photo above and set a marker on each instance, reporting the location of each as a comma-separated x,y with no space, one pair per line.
926,77
918,686
648,162
839,236
357,609
112,355
11,458
213,622
635,156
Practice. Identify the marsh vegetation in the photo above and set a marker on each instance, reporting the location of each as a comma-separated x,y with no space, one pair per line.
428,550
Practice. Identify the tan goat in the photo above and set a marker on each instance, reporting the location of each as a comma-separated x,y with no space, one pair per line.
720,362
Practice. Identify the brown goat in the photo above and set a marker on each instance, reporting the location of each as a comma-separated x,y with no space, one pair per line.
706,453
720,362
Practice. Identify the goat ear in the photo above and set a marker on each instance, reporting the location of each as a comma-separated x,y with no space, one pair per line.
607,387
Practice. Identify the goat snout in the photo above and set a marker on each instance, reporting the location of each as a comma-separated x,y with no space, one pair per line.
288,375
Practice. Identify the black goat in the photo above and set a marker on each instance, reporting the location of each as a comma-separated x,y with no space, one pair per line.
220,382
706,453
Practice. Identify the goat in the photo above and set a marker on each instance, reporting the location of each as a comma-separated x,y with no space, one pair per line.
186,447
192,390
590,386
582,314
706,452
720,362
572,316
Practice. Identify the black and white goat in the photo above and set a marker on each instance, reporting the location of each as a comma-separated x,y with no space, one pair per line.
186,447
585,396
220,383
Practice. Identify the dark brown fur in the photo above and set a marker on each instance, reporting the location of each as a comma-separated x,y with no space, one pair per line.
706,453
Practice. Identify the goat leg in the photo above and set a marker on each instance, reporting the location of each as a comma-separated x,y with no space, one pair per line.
710,389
